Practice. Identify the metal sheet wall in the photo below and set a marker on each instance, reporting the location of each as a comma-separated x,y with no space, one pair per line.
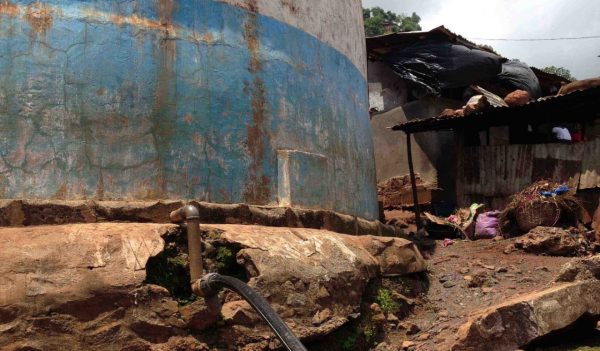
491,174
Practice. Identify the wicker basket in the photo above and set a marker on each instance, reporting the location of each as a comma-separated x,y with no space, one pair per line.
537,213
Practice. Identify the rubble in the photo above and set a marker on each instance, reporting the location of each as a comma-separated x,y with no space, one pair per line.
396,192
580,269
517,98
554,242
513,324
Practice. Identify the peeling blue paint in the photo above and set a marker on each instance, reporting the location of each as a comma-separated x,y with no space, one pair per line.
97,105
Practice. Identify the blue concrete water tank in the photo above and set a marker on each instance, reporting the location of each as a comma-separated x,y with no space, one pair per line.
233,101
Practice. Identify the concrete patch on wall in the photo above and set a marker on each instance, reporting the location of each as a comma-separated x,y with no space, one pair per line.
302,178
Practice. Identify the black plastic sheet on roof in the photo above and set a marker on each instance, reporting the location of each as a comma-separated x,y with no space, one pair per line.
437,64
518,75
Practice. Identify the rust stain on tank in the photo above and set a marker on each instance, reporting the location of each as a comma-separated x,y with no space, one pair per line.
258,188
291,6
165,11
252,42
164,107
8,8
250,5
39,17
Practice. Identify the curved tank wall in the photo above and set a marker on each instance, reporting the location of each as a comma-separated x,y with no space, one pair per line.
253,101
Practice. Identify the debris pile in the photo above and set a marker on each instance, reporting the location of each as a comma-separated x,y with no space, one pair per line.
554,241
460,224
396,192
545,214
544,203
482,99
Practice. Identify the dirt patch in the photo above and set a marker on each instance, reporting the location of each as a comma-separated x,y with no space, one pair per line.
465,278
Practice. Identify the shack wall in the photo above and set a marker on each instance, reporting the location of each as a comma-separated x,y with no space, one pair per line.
491,174
189,99
434,155
386,90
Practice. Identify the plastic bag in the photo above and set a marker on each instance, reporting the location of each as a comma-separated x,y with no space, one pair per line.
486,226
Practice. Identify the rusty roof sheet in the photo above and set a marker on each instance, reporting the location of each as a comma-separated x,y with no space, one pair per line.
549,76
558,108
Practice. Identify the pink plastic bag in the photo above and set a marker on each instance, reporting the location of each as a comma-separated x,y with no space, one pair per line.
486,226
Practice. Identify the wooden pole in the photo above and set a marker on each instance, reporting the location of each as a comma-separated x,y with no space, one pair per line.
413,182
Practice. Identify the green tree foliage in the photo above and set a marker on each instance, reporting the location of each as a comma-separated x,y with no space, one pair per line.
377,20
559,71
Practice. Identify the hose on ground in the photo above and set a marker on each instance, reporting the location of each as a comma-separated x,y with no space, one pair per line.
212,283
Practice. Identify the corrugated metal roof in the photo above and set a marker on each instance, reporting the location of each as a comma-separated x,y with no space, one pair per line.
546,109
550,76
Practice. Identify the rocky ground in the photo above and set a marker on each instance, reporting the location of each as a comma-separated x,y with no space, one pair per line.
125,286
466,278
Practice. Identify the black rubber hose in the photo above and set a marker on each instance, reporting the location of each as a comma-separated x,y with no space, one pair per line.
213,282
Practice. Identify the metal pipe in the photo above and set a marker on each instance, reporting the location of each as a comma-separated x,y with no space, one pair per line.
413,182
212,283
191,215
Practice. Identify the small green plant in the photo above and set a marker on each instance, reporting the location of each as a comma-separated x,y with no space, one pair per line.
227,264
349,343
369,331
169,269
386,301
225,259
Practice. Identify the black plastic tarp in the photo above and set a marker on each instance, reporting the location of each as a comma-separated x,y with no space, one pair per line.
438,64
517,75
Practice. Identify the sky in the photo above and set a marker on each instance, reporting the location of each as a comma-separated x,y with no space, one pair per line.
516,19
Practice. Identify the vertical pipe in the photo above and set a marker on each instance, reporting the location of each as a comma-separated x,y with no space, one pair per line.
194,248
191,215
413,182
